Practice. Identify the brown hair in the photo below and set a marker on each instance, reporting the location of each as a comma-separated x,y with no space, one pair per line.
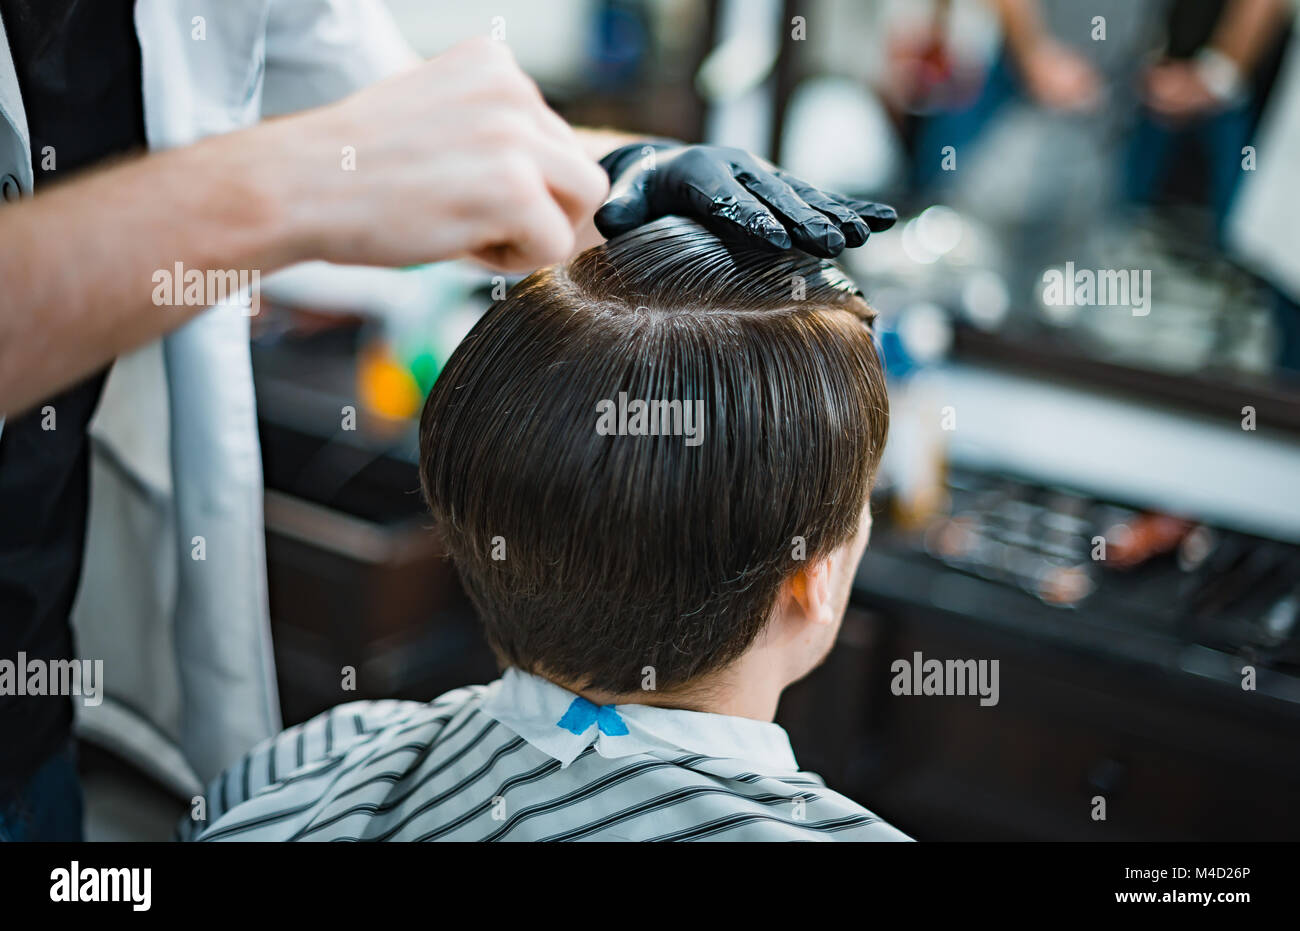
591,556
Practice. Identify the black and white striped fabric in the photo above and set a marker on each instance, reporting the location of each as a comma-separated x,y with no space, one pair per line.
525,760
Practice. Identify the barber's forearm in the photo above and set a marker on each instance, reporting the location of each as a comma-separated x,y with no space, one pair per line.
458,156
78,261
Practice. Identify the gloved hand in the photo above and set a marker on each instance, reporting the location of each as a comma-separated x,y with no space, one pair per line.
740,191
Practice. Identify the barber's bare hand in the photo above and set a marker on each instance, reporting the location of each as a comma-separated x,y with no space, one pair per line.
459,156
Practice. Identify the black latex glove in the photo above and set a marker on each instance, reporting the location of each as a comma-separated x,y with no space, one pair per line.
740,192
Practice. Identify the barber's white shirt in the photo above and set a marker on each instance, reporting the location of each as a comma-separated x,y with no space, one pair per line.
524,759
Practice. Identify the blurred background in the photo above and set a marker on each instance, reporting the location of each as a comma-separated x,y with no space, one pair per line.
1101,494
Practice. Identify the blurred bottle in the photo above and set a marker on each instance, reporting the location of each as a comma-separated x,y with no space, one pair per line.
914,467
412,338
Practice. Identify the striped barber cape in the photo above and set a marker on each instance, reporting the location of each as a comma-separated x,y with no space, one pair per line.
523,759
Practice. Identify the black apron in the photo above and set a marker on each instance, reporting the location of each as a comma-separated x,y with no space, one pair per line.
78,68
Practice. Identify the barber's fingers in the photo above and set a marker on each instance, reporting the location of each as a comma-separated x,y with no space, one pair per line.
810,229
554,125
550,124
577,183
530,230
856,217
526,91
710,190
524,119
854,228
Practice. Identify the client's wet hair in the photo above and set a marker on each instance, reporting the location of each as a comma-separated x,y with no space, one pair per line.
592,556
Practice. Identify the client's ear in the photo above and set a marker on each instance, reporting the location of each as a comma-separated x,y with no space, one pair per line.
808,595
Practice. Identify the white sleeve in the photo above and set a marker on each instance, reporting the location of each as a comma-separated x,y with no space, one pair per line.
320,50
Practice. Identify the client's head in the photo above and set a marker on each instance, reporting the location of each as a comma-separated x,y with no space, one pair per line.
652,465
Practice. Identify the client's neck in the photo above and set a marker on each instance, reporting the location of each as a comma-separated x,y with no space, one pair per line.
748,688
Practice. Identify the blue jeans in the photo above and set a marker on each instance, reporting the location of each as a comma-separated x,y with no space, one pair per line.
1220,137
48,806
